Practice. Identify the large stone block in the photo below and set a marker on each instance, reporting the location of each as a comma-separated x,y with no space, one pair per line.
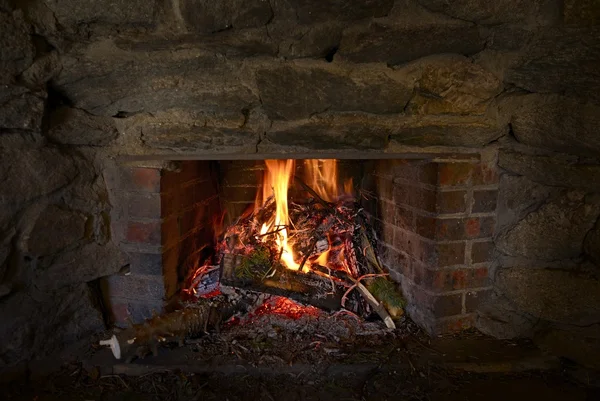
493,12
554,231
294,92
556,170
21,109
561,61
76,127
30,173
467,131
16,47
500,318
38,323
452,84
70,14
554,122
517,196
310,11
106,80
55,230
335,131
209,139
398,42
581,12
579,344
208,16
80,265
556,295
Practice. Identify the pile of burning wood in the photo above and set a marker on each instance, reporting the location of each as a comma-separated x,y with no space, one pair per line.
319,252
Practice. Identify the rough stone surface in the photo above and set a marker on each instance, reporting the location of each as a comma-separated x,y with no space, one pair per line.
487,12
55,230
453,85
192,138
109,80
73,14
552,64
310,11
361,131
581,12
21,109
292,93
27,331
396,43
556,170
554,231
208,16
16,48
498,318
579,344
76,127
467,131
557,123
94,261
31,173
592,244
42,70
317,41
561,296
518,196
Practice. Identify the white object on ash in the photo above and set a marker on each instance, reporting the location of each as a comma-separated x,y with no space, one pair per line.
113,343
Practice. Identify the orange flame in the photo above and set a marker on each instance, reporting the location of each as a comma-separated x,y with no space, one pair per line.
321,175
277,180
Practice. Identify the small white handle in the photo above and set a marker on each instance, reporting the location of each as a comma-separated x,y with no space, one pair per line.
113,343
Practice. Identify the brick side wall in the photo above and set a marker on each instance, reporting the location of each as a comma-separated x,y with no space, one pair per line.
436,222
166,213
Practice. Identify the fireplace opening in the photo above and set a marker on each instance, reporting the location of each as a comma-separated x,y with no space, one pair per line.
380,239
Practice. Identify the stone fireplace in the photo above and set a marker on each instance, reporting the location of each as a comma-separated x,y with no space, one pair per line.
126,127
434,215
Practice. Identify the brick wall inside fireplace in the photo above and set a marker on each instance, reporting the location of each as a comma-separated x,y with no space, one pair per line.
435,221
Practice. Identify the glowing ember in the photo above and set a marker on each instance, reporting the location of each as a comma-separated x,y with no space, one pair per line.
283,306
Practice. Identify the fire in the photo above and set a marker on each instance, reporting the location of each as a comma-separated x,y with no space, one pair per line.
322,175
277,179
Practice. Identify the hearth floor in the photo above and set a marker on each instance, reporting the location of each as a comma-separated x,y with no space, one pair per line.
234,365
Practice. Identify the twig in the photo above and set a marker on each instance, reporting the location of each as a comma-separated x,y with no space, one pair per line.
371,300
311,191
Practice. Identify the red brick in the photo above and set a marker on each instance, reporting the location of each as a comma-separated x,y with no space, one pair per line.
145,205
481,251
453,174
144,232
145,179
426,226
451,202
456,279
450,229
472,228
134,287
428,173
455,324
446,305
449,254
404,218
146,263
485,174
474,299
484,201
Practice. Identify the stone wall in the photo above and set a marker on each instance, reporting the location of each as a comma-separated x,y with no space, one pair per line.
86,82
